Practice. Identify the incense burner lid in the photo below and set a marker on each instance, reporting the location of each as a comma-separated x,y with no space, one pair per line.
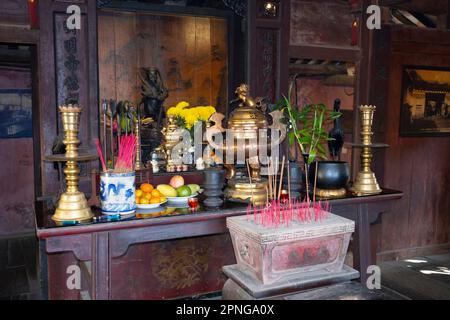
247,118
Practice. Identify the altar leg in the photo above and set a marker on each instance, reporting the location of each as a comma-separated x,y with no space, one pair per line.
101,272
362,252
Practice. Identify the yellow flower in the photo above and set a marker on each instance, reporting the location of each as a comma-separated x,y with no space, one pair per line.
191,115
173,111
206,112
182,105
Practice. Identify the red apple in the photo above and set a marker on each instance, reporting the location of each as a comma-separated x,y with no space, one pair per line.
177,181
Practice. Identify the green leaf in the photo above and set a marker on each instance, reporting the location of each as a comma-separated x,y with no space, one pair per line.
291,137
321,150
312,156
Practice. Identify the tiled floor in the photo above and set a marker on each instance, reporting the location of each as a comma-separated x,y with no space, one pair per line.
425,277
18,268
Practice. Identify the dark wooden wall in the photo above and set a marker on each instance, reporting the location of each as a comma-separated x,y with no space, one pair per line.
16,170
190,52
14,12
326,23
419,166
17,189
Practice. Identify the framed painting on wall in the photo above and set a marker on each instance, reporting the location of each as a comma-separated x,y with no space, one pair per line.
425,106
15,113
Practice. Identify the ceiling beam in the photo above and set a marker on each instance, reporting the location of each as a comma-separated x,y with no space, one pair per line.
436,7
317,70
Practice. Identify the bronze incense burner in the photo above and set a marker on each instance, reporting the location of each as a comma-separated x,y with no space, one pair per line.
250,132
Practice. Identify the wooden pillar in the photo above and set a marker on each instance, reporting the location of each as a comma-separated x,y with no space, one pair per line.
267,49
68,73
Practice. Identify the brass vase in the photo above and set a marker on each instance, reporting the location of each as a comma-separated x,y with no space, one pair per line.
72,205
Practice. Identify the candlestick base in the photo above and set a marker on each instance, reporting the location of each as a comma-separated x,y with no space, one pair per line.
72,207
365,184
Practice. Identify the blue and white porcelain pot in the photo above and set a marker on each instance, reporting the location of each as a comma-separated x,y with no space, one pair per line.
117,193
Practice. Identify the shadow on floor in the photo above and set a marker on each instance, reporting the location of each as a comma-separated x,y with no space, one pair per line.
419,278
18,268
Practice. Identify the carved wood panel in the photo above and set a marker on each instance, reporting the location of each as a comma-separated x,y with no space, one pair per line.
68,72
267,45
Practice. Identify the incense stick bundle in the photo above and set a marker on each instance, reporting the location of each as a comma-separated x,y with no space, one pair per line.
100,154
126,154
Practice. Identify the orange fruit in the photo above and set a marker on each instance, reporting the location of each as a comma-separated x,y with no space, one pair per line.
139,193
156,193
146,187
138,200
147,196
162,199
154,200
144,201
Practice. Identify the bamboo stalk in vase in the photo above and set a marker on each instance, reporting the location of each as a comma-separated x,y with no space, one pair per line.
289,180
275,176
250,178
269,179
315,183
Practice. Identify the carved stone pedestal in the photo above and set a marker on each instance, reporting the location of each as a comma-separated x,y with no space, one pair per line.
243,286
275,261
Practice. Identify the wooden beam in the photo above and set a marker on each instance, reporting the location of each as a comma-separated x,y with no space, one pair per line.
347,54
18,34
340,80
436,7
317,70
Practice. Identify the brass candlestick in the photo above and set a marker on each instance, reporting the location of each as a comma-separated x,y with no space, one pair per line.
72,205
137,132
366,181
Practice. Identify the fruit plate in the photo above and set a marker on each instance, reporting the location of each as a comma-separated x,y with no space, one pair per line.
149,206
178,200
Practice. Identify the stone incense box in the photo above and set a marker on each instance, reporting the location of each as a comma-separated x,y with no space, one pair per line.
271,254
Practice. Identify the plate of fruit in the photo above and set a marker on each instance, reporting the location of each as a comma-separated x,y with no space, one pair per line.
147,197
177,192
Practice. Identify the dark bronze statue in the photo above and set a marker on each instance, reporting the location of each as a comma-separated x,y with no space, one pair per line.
153,93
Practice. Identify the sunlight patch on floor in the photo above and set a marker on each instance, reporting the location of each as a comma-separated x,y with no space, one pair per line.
442,270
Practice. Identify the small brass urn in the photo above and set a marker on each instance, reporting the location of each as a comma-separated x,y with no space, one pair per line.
72,205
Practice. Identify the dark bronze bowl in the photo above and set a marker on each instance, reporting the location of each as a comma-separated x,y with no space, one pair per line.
330,174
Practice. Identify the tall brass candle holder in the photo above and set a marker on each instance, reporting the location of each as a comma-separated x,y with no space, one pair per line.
72,205
366,181
137,133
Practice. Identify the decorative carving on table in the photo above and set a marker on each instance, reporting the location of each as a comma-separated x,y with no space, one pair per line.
180,267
